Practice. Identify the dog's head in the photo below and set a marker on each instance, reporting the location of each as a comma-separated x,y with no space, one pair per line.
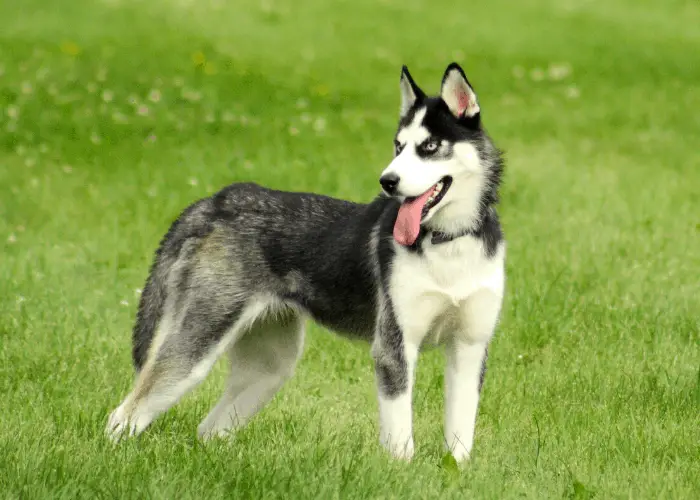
445,167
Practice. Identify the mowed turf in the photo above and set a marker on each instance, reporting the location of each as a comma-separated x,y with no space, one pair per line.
115,115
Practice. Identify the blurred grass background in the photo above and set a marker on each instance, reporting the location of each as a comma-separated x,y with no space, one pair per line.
116,114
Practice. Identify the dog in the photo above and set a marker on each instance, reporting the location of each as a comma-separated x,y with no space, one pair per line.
419,266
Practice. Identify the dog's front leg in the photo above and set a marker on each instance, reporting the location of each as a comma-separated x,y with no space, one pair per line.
466,355
395,362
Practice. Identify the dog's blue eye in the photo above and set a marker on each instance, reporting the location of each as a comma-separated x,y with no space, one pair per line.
398,147
430,146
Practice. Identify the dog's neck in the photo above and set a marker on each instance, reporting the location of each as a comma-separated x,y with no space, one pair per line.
467,212
470,226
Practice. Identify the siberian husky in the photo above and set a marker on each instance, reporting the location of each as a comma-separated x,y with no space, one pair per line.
421,265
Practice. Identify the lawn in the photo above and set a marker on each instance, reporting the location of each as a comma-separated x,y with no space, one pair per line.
116,114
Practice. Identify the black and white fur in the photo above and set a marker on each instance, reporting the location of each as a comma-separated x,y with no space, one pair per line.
239,272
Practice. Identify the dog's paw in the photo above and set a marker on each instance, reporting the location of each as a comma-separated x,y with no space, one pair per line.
460,454
208,431
214,434
399,449
119,425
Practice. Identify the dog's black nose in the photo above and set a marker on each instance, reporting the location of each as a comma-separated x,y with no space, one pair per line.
389,182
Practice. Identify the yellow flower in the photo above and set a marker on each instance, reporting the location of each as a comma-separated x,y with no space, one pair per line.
70,48
199,59
321,90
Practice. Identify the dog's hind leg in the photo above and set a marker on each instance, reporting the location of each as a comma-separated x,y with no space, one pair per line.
262,360
183,353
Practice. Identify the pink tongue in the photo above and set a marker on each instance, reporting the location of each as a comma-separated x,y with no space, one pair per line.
407,224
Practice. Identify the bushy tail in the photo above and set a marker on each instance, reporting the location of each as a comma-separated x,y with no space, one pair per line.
193,223
150,311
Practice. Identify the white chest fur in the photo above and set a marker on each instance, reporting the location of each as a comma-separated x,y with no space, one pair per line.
429,289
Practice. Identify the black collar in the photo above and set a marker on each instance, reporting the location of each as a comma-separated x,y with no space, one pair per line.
438,237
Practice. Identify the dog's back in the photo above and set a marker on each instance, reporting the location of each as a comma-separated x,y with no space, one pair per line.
303,250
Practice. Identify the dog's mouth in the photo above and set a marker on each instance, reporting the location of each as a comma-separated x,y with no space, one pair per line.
438,192
414,210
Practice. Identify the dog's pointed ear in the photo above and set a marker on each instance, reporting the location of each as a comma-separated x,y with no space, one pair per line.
458,94
410,93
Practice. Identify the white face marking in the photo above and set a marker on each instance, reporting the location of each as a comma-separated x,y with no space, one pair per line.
415,132
417,175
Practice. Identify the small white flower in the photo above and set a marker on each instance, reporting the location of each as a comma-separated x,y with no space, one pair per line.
558,72
12,238
124,302
107,95
191,95
137,291
13,111
193,181
154,95
320,125
572,92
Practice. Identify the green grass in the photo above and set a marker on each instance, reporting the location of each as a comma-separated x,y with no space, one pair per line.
118,114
